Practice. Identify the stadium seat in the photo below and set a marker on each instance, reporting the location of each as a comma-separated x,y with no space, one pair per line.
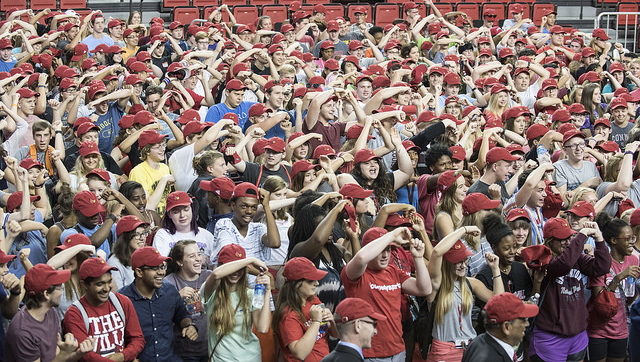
422,9
209,9
186,14
277,13
8,4
308,8
285,2
444,7
499,8
399,1
316,2
334,11
174,3
471,9
386,13
351,12
43,4
245,14
527,10
627,19
262,2
73,4
538,11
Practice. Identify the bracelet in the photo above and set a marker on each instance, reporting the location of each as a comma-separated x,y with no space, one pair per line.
112,217
15,294
528,64
192,325
628,153
38,186
496,276
14,105
43,86
474,89
58,132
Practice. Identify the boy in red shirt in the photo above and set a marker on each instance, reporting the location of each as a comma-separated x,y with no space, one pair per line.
370,276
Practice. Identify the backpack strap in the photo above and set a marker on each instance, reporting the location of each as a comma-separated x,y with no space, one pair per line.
78,229
118,306
83,312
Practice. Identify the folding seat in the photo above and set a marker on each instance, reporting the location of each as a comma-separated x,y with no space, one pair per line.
73,4
444,7
525,15
262,2
207,10
186,14
386,13
471,9
334,11
245,14
43,4
174,3
8,4
499,9
627,19
277,13
538,11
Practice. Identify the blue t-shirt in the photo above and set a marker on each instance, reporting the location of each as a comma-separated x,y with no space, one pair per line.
216,112
7,66
88,232
92,42
275,131
32,240
109,129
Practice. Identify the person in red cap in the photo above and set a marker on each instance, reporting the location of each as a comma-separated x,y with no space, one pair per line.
7,59
493,182
574,171
621,125
32,334
371,276
301,322
40,150
97,36
160,304
518,19
89,132
117,335
153,174
27,110
560,328
274,155
522,81
227,298
506,320
356,322
340,48
256,238
132,235
452,327
233,103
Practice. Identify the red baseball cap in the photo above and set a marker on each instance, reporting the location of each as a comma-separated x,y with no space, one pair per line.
561,115
515,214
221,186
27,93
323,150
302,166
15,199
570,134
129,223
475,202
447,179
557,228
258,109
150,137
600,34
576,108
583,209
457,253
351,309
372,234
178,198
364,155
42,277
409,145
499,154
536,130
452,79
396,220
193,127
602,121
458,152
148,256
231,252
29,163
609,146
93,268
101,173
4,258
276,144
536,256
245,189
87,203
235,84
78,51
86,127
301,268
354,191
506,307
89,148
549,83
619,103
354,132
635,218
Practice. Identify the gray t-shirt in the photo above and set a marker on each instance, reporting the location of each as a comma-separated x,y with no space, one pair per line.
565,174
612,207
480,187
620,135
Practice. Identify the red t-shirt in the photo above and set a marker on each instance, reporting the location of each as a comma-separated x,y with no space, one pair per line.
292,329
617,327
383,290
108,329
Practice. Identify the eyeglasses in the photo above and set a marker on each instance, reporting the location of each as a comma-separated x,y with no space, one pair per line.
393,52
491,16
133,36
373,323
159,146
628,240
580,145
465,261
162,267
141,235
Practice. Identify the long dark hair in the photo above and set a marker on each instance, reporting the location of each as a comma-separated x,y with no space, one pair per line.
168,224
122,248
381,186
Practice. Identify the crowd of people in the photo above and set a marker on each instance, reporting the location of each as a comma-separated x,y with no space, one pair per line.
441,188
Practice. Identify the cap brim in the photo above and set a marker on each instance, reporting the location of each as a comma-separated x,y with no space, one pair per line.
7,258
528,311
380,317
316,275
93,210
61,276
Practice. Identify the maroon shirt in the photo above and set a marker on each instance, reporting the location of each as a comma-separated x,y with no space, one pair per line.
330,134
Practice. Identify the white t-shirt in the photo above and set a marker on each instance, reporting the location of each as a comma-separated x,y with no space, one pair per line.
181,166
529,96
163,241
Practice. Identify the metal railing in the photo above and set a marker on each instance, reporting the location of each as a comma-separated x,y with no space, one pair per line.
624,25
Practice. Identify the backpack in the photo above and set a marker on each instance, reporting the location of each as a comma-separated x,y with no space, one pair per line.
423,325
116,304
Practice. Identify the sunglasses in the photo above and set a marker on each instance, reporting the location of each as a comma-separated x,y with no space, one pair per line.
491,16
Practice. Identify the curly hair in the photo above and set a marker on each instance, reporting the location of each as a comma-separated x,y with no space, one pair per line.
434,152
381,186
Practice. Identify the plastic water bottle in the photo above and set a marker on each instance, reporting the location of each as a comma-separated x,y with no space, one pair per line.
543,155
630,287
258,296
324,325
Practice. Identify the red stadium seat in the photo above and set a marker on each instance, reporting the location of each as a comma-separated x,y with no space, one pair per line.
399,1
627,19
386,13
538,11
174,3
285,2
444,7
316,2
527,10
499,8
8,4
43,4
186,14
73,4
334,11
262,2
471,9
351,12
277,13
245,14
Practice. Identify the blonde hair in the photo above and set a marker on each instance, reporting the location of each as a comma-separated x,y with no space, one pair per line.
579,193
493,105
610,169
447,297
273,184
223,315
80,171
472,220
